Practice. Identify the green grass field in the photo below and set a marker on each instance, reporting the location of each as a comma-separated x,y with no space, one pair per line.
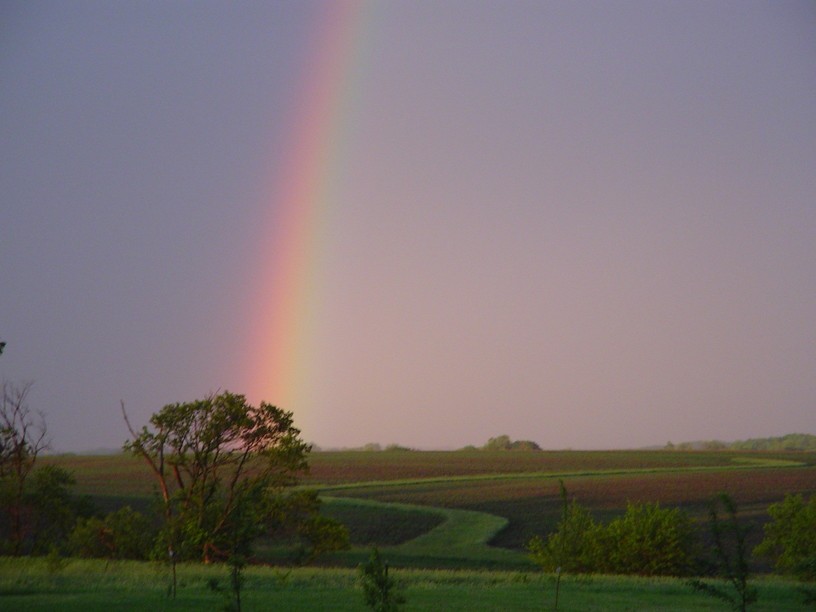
87,586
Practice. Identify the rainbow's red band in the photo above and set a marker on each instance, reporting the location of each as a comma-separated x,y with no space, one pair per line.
300,195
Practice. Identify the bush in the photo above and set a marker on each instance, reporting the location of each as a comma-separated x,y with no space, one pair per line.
650,541
124,534
790,537
38,514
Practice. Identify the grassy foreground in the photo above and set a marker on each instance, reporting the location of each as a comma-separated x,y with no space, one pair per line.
89,585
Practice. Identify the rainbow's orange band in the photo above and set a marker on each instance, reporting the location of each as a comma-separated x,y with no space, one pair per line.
300,195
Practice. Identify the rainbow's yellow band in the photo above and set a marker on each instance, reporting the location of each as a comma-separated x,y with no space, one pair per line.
298,201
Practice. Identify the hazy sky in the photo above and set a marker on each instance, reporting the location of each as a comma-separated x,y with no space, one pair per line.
588,224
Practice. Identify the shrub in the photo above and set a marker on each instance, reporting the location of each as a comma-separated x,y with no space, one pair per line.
790,537
650,541
124,534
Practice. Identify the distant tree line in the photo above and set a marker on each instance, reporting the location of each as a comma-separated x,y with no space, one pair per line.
499,443
374,447
789,442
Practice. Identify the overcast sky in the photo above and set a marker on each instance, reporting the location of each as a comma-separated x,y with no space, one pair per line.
588,224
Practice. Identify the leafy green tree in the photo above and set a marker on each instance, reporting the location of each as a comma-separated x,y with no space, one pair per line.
379,589
650,541
222,467
790,536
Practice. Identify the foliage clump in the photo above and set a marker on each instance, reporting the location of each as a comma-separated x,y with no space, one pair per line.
647,540
123,534
790,537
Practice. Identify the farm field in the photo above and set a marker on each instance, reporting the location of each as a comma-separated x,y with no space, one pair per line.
527,496
533,505
329,468
393,497
124,475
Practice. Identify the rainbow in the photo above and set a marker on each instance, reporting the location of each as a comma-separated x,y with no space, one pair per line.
298,206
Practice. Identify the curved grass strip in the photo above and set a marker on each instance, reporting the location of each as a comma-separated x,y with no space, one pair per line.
462,535
380,524
460,529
